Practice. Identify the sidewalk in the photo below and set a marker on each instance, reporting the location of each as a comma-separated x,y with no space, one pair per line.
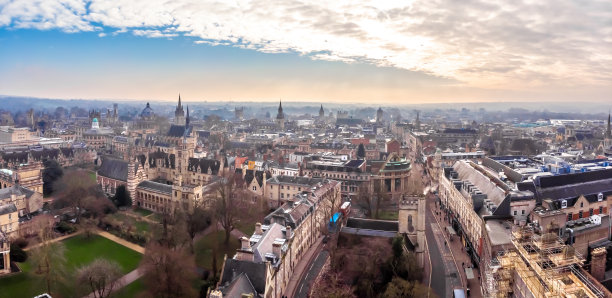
461,257
301,266
121,241
55,240
124,281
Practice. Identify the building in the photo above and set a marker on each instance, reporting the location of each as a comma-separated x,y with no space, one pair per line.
179,113
9,220
540,265
25,200
115,172
5,251
16,135
28,175
264,264
280,117
283,188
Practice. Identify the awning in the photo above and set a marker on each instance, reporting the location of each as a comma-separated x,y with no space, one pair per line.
451,230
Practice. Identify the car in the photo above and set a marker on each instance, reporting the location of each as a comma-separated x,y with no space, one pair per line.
325,239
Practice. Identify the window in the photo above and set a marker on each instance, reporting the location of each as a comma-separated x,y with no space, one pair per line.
254,188
514,212
569,216
282,187
523,212
282,195
580,214
591,212
600,209
581,204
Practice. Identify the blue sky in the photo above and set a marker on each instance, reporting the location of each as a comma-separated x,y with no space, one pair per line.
419,51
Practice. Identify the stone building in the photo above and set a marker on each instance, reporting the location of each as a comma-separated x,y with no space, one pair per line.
5,252
27,175
26,201
9,219
265,262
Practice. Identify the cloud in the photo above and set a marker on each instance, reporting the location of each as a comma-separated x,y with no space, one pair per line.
101,34
492,44
153,33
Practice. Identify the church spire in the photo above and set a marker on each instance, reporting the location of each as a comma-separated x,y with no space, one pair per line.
187,117
179,104
608,130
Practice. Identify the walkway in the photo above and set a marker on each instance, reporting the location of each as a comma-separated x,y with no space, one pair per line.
55,240
301,267
121,241
124,280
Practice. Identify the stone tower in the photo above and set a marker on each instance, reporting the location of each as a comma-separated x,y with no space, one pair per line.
412,223
280,117
179,113
321,112
379,115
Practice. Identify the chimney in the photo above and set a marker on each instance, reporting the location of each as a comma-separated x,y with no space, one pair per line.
598,263
246,245
276,248
288,232
258,230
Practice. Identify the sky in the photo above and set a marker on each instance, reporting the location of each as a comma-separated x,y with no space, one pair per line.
393,52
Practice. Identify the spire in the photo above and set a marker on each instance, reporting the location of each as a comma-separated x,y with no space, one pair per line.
608,130
187,118
179,100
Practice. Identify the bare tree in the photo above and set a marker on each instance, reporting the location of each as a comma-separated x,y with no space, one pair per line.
196,220
364,199
169,272
48,256
379,196
101,277
78,191
227,203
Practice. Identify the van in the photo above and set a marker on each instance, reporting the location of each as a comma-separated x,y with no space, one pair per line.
458,293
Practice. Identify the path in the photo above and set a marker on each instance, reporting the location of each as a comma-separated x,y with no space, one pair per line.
124,280
121,241
55,240
302,265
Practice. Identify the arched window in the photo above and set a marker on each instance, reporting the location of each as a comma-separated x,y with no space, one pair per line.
410,226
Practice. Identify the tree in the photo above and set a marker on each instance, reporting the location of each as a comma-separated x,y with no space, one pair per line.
402,288
365,199
169,272
380,195
47,257
52,172
196,220
78,191
361,151
122,197
100,277
227,203
18,254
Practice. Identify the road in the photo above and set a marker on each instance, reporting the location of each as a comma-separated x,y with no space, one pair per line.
313,271
442,261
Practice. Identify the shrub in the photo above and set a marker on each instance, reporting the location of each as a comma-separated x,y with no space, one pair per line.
18,254
21,242
64,228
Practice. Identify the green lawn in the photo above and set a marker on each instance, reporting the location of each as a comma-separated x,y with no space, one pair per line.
143,212
203,249
140,225
387,215
92,175
130,291
79,251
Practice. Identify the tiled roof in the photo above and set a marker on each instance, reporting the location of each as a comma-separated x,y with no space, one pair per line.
255,271
6,209
114,169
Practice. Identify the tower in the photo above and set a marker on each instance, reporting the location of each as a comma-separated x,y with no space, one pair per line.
608,131
608,136
187,118
379,115
321,112
417,122
95,124
239,113
115,112
179,113
280,117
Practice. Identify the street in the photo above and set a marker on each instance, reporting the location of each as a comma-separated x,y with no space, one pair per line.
312,273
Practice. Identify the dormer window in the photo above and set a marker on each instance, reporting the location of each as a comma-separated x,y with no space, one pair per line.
600,197
564,204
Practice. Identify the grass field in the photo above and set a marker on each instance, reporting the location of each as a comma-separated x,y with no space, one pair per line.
131,290
387,215
143,212
79,251
204,246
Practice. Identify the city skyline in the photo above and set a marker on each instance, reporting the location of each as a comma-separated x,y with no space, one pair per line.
351,53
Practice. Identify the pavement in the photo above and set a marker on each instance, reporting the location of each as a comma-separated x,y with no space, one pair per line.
124,281
301,268
315,268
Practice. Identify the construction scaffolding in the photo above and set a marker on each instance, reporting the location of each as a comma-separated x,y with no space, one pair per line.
539,266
